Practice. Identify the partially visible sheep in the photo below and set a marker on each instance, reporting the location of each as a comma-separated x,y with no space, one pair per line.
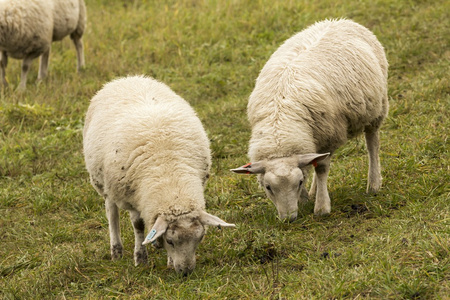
147,152
323,86
28,27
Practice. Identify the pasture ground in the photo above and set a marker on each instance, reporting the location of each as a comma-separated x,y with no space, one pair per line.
395,245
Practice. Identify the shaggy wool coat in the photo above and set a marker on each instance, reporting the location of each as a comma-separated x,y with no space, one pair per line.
145,147
323,86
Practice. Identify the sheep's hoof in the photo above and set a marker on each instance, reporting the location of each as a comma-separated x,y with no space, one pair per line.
373,189
141,257
373,184
322,211
116,252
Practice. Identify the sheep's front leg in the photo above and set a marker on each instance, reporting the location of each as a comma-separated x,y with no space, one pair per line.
112,213
3,64
43,65
313,188
373,147
140,251
304,197
323,203
26,64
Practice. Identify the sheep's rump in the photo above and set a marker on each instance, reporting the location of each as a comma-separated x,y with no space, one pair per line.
69,17
324,85
139,135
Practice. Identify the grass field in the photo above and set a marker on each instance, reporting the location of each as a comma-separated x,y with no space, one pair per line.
395,245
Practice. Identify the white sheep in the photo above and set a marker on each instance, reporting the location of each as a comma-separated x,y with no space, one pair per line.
147,152
324,85
28,27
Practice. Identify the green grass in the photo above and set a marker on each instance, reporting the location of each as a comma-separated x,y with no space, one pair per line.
395,245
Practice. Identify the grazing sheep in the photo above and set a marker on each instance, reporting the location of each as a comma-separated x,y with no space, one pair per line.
147,152
323,86
28,27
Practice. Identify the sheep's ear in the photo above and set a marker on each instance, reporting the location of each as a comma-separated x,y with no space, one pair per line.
158,229
210,220
310,159
251,168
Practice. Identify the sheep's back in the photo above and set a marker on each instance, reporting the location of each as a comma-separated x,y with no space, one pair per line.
328,81
137,129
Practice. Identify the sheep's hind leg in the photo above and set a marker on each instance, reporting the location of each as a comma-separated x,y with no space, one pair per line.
3,64
112,213
80,51
323,202
43,65
373,147
140,251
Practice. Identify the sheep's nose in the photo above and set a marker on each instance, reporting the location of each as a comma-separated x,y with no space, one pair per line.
288,218
185,272
292,218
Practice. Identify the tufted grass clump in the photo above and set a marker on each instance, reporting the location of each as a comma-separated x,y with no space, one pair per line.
393,245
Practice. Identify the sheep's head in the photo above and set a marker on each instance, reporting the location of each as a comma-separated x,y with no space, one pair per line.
282,179
181,237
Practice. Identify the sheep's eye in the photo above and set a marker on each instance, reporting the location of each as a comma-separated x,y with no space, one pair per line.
170,242
300,184
268,188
